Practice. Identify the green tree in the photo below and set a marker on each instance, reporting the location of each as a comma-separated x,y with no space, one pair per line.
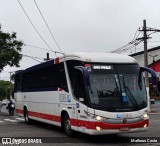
10,49
5,89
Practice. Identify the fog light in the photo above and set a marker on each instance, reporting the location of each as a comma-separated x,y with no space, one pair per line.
145,125
98,128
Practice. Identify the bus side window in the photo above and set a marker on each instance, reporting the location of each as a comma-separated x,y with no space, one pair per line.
17,86
62,81
78,86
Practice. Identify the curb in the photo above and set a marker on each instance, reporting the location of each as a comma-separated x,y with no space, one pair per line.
154,113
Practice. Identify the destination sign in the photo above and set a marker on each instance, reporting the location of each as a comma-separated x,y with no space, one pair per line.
102,67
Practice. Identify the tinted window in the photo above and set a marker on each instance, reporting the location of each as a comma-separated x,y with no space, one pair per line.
52,77
17,86
71,70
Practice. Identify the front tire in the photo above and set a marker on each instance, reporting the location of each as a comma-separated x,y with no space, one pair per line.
67,126
27,119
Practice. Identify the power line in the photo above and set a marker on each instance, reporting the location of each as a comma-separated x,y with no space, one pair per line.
47,25
114,51
44,49
134,43
131,44
33,24
38,47
153,41
135,34
32,58
128,48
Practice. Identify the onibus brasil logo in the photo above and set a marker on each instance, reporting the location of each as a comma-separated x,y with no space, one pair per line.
18,141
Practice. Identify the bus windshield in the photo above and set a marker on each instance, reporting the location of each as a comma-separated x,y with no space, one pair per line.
117,88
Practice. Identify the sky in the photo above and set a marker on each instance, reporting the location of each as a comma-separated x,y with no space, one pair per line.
77,25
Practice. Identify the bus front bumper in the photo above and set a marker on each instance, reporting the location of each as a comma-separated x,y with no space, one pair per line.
115,131
102,128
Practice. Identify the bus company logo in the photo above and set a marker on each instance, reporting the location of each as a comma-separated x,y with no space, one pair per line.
68,98
124,121
88,67
118,116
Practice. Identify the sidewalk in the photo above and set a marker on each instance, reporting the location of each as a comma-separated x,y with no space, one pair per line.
155,109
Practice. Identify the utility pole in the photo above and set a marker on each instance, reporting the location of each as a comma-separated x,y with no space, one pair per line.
145,51
146,29
6,91
144,38
10,93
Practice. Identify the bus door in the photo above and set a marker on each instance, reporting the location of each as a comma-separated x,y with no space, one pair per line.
79,90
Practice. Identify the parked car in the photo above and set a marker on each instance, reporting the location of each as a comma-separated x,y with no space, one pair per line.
4,102
4,105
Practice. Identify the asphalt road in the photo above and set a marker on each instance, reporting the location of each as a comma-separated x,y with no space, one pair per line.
14,126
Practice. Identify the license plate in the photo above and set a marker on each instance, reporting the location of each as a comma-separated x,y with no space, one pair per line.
124,129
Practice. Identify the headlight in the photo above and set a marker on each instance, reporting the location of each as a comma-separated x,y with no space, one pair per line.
93,116
99,118
145,116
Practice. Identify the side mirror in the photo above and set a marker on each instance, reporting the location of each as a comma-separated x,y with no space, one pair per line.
85,74
153,74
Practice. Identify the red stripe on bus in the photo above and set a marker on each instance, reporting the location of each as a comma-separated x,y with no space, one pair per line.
87,124
103,125
41,115
19,111
45,116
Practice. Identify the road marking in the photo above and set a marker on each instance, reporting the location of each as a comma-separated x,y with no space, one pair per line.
1,121
10,120
21,119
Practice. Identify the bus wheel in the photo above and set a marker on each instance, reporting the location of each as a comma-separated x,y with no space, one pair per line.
27,120
67,126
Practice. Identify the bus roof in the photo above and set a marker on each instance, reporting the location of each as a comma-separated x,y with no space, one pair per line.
86,57
100,57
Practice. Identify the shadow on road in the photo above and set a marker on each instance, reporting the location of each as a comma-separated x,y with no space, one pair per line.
79,137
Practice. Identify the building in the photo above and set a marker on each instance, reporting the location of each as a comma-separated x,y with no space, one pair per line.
153,62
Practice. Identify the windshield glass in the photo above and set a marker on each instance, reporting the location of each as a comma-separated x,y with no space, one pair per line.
116,87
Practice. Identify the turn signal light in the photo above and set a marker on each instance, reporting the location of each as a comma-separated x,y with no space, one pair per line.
98,128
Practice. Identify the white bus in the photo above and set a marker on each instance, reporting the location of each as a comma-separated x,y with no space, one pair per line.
93,93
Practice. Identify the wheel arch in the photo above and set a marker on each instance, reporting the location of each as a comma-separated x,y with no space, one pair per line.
63,113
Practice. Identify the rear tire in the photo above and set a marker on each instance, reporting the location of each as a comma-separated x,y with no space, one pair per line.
67,126
27,119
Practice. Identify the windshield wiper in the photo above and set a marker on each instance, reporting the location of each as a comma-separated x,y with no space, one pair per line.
130,95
